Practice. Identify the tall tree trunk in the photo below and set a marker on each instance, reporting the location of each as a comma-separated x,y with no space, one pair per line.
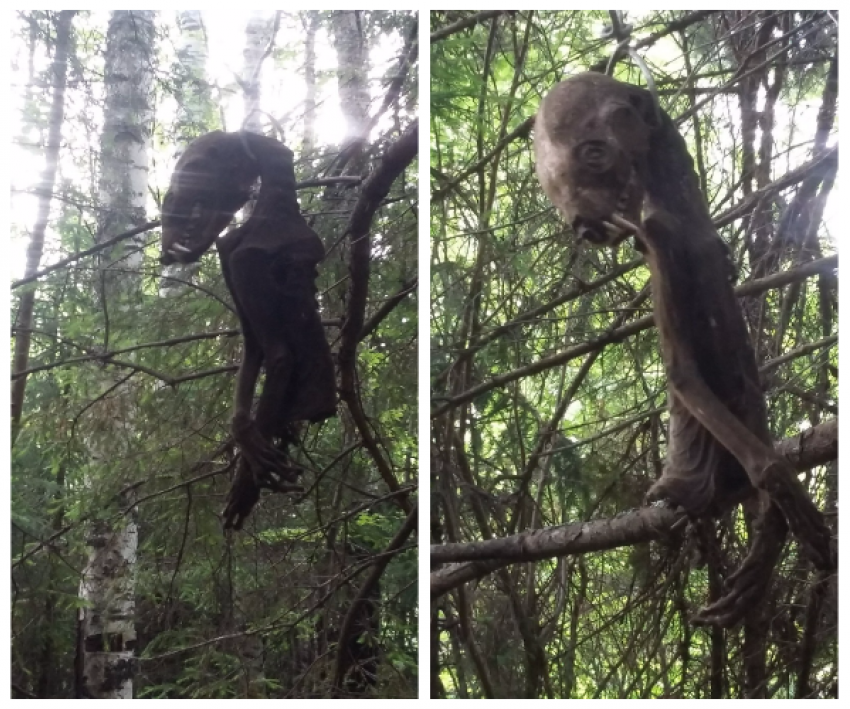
107,619
259,38
126,138
193,89
24,320
310,20
352,71
107,622
193,104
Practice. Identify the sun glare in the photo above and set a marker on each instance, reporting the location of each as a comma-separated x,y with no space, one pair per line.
283,93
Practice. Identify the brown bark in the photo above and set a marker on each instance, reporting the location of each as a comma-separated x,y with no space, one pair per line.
473,560
24,319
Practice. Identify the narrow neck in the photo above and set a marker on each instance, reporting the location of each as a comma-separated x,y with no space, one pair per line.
276,202
672,183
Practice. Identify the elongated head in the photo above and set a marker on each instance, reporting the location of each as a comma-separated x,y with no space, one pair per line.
591,139
211,182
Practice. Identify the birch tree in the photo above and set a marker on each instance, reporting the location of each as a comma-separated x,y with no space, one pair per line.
194,111
125,435
259,38
107,617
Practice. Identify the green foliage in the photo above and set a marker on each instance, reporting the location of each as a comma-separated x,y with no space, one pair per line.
510,288
133,392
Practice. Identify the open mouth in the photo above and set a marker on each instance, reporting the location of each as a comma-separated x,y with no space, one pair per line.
181,250
177,252
177,249
616,227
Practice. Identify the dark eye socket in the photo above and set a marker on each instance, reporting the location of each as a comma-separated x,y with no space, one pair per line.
595,154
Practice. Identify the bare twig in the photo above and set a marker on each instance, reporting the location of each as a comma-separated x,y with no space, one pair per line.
745,289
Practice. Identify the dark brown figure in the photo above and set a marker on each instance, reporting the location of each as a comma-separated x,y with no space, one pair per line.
604,151
269,265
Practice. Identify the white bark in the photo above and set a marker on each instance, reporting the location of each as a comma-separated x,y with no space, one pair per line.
193,102
259,35
126,137
107,620
310,21
352,71
192,55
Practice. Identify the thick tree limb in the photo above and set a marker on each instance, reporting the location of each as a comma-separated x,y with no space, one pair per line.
813,447
482,558
375,189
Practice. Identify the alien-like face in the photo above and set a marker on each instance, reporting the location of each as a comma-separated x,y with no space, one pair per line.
591,139
210,183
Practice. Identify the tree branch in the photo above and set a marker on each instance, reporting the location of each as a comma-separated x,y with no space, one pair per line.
147,226
812,447
369,585
466,22
408,287
745,289
375,189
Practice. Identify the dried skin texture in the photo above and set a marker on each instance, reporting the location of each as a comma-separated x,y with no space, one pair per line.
689,267
211,182
602,153
269,265
591,163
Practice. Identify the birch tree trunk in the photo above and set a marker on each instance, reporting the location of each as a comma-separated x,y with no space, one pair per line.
310,21
107,633
192,86
352,71
192,90
126,137
259,36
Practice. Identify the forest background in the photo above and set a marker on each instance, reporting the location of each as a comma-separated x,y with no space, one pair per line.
123,370
548,394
